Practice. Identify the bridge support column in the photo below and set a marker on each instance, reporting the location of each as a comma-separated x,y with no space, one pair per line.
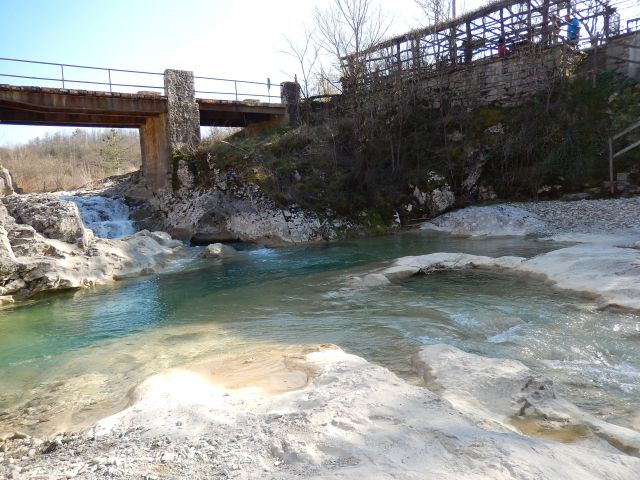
290,95
155,153
163,136
183,113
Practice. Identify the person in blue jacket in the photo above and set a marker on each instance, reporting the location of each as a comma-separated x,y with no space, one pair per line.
573,30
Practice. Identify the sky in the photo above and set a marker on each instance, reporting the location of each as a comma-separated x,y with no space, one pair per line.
235,39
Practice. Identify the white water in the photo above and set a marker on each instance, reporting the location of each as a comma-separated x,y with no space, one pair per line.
106,217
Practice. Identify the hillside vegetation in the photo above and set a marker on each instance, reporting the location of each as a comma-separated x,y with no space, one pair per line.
64,161
369,167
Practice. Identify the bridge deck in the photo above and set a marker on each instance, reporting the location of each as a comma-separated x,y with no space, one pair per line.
56,106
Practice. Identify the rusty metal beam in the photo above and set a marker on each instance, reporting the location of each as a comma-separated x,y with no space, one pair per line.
10,116
54,106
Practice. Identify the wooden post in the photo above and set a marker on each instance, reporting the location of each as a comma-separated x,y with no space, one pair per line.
453,46
529,30
415,52
546,38
502,27
468,48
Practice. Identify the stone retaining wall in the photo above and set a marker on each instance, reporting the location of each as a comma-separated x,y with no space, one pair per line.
510,81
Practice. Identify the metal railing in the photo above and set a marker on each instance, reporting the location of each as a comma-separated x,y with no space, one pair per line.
124,81
613,154
235,93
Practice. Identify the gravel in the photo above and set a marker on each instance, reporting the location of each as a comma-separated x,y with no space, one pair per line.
587,216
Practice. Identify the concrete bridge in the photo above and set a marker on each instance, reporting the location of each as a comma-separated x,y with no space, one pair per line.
168,121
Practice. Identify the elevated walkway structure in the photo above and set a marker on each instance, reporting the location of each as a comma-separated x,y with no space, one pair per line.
462,59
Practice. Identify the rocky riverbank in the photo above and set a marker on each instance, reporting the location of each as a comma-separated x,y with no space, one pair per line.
317,412
230,209
601,261
44,246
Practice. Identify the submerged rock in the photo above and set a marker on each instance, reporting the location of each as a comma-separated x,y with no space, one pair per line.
216,250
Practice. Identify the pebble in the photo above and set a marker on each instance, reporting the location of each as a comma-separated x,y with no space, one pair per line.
587,216
168,457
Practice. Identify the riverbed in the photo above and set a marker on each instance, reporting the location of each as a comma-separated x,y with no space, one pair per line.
69,359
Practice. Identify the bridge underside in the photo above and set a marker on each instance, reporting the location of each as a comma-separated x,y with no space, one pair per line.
146,112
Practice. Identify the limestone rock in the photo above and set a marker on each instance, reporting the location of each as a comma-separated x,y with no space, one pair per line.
441,199
48,248
216,250
50,216
7,187
234,214
498,220
507,391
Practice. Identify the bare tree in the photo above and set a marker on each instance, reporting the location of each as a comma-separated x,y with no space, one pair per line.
436,11
346,28
306,54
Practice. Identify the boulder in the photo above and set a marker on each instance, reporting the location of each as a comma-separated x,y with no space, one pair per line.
48,248
441,199
50,216
216,215
7,187
513,396
499,220
216,250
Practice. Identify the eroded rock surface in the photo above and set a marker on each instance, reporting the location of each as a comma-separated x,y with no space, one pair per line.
341,417
231,211
496,220
44,245
48,215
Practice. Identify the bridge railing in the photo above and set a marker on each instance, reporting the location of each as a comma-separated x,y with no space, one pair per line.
82,77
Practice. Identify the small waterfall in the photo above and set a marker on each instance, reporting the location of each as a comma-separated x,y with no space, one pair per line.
107,217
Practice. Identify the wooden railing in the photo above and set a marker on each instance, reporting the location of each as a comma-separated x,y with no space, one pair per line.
518,24
613,154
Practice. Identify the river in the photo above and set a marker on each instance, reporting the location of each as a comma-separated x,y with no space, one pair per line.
70,358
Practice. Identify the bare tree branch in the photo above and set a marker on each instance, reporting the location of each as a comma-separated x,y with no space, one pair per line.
306,54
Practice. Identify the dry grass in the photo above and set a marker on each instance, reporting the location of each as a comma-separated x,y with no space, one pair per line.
64,161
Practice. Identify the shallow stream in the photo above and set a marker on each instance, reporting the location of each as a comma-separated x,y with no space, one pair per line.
68,359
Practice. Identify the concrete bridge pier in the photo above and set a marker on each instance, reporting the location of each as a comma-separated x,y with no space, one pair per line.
164,136
155,153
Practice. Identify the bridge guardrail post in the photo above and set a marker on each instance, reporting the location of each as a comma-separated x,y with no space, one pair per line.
290,96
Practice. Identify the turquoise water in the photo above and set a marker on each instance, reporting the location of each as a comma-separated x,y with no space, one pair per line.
69,358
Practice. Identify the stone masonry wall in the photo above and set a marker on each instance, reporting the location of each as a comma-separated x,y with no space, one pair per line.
183,114
510,81
503,81
620,55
